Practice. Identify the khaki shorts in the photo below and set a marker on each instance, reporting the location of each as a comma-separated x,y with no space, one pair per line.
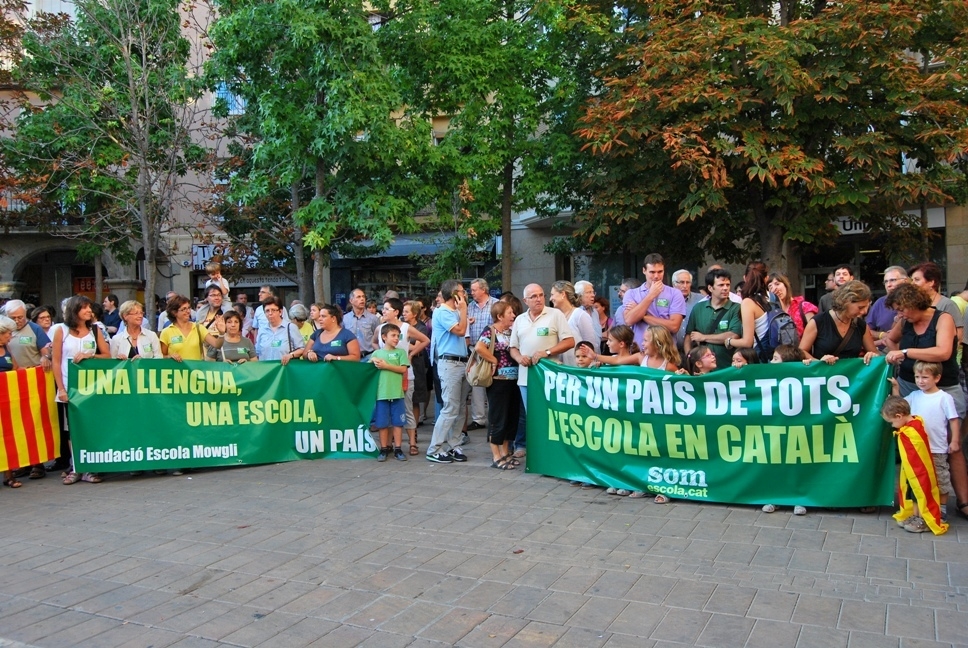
943,474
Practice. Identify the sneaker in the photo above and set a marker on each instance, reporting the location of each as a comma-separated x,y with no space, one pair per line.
915,525
177,472
611,490
624,492
799,510
901,523
457,455
576,482
769,508
440,457
463,439
398,454
384,453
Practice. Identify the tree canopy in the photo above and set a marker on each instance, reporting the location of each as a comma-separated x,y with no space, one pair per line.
114,141
776,117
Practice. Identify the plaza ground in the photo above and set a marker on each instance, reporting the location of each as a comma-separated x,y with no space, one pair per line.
347,553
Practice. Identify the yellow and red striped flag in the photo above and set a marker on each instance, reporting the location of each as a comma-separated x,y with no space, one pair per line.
918,474
28,418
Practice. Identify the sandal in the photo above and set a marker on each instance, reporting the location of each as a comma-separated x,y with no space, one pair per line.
514,462
414,450
38,472
91,478
503,465
71,478
12,483
661,499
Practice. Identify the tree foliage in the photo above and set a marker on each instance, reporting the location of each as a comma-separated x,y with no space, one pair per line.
487,66
776,117
320,105
113,143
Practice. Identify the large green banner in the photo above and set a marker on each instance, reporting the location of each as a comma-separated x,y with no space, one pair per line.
776,433
162,414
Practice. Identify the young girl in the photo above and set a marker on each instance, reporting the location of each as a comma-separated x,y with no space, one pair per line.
659,351
786,353
699,361
743,357
621,342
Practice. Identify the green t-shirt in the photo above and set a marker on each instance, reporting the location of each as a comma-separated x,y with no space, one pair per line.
704,316
390,385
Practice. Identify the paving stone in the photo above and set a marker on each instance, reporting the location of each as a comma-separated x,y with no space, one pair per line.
725,631
870,640
496,630
637,620
730,599
817,610
681,626
689,594
453,626
907,621
863,616
773,634
776,606
817,637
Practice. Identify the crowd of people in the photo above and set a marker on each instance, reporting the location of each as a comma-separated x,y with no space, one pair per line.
422,348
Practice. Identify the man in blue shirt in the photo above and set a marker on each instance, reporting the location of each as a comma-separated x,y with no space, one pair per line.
448,350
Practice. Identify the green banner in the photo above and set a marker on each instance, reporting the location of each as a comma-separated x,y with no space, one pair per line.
763,434
162,414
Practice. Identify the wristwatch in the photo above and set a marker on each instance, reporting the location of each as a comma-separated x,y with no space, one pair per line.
548,353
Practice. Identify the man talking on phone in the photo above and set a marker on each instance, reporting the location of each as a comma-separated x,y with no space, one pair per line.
654,303
448,351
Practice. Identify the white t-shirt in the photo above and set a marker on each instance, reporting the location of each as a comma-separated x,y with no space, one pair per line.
936,409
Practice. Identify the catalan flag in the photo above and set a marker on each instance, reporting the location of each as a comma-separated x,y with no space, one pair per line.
28,418
917,472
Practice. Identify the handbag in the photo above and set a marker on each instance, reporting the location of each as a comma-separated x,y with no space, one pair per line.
480,372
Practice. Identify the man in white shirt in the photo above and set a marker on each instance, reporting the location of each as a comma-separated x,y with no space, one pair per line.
539,332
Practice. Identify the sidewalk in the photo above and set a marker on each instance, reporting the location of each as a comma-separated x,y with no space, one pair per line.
358,553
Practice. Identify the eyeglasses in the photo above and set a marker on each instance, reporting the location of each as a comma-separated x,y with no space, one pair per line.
271,310
185,309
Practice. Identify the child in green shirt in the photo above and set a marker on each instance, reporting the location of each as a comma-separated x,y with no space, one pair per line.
390,408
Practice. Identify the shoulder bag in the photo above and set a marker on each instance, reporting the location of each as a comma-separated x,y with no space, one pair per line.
480,372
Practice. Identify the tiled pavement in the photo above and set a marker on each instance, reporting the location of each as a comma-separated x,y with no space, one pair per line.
356,553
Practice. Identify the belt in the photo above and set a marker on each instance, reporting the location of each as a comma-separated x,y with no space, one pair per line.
363,354
453,358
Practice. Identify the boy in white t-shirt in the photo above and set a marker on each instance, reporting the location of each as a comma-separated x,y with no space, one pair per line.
941,422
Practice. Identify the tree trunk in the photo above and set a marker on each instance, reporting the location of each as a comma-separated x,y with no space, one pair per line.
318,258
98,278
298,251
506,258
771,243
319,262
149,241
